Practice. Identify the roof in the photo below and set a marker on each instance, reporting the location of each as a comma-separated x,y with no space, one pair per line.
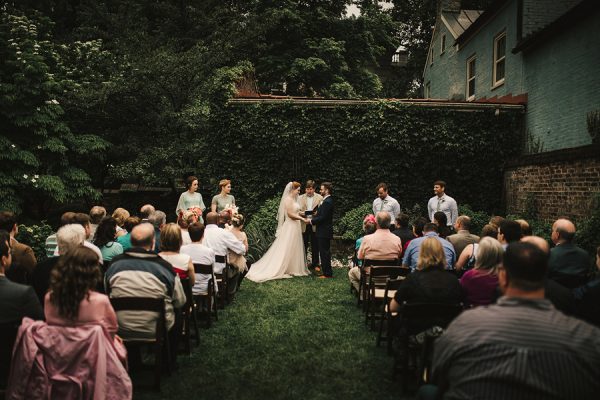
484,17
582,10
458,22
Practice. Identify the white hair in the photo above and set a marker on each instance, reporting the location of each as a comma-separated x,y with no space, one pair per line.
70,236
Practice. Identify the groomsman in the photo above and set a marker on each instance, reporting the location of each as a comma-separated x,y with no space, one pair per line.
385,202
308,202
442,202
324,222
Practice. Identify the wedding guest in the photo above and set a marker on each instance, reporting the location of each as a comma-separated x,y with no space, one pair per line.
200,254
16,300
66,218
224,199
129,224
145,212
587,297
440,219
489,230
84,220
96,215
120,215
385,202
237,228
68,237
442,202
170,246
369,227
187,218
105,239
403,230
225,219
191,199
509,231
411,255
308,202
525,228
158,219
463,236
569,264
72,299
495,221
480,283
417,228
23,258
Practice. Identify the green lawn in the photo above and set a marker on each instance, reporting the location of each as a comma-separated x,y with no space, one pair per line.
300,338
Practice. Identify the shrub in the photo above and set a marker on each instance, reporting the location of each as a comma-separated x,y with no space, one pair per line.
35,237
588,233
414,213
350,225
261,229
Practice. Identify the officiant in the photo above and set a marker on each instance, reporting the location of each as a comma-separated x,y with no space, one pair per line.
309,201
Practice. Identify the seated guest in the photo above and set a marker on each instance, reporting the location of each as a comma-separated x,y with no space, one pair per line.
225,219
105,239
403,230
417,228
23,259
495,221
120,215
66,218
187,217
463,236
489,230
16,300
68,238
158,219
468,256
569,264
525,228
587,297
72,300
508,232
430,283
369,227
411,255
200,254
145,212
84,220
380,245
170,244
222,241
96,215
141,273
125,240
521,347
479,284
441,220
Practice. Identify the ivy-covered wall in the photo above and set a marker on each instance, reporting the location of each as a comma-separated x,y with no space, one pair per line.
262,146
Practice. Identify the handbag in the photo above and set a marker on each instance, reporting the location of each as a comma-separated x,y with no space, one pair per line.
471,261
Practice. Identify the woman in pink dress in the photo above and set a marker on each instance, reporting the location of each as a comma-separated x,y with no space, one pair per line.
72,301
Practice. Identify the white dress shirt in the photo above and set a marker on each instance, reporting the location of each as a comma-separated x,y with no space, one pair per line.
220,241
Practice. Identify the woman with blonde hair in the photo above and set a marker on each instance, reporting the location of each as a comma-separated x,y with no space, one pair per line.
120,214
431,282
479,284
224,199
170,245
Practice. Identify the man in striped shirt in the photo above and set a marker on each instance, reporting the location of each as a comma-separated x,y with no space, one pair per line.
521,347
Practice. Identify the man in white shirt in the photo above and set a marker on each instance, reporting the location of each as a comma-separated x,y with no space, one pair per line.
385,202
442,202
200,254
308,202
221,241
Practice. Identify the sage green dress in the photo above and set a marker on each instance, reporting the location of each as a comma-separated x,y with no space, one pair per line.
223,201
188,200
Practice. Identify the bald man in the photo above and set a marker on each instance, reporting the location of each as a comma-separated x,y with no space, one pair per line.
569,264
145,211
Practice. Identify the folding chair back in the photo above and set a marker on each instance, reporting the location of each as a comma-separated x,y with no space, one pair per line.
207,300
363,290
189,317
378,276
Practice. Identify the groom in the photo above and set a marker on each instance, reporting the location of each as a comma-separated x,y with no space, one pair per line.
324,223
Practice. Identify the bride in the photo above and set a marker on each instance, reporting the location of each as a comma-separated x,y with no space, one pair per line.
285,257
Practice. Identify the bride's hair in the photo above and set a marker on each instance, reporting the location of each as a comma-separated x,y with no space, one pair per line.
295,185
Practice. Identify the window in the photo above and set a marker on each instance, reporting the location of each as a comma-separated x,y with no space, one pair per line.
428,90
471,78
499,59
443,44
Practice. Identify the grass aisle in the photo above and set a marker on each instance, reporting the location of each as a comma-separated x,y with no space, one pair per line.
300,338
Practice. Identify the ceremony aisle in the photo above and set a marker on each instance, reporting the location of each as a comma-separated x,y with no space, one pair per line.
300,338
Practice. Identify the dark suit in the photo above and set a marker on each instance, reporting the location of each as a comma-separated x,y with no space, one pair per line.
324,222
569,265
18,301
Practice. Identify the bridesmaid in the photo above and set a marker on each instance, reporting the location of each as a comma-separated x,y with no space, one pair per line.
222,200
190,199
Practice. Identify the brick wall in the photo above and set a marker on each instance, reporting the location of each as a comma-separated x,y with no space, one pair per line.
539,13
560,183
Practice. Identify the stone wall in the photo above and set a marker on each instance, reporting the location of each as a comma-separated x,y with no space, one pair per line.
556,183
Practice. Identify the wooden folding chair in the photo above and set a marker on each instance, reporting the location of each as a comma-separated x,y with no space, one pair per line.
221,281
392,285
189,317
378,277
160,339
415,319
363,285
208,300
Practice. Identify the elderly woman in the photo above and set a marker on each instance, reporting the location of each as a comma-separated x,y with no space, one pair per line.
479,284
190,199
431,282
224,198
120,215
170,245
369,227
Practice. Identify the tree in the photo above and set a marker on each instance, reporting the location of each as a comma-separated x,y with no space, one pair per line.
38,150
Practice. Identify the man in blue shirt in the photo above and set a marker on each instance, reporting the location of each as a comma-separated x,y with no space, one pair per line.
411,255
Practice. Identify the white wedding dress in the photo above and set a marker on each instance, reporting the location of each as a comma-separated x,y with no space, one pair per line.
285,258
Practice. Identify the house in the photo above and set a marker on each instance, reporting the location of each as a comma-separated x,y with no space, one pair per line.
543,54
